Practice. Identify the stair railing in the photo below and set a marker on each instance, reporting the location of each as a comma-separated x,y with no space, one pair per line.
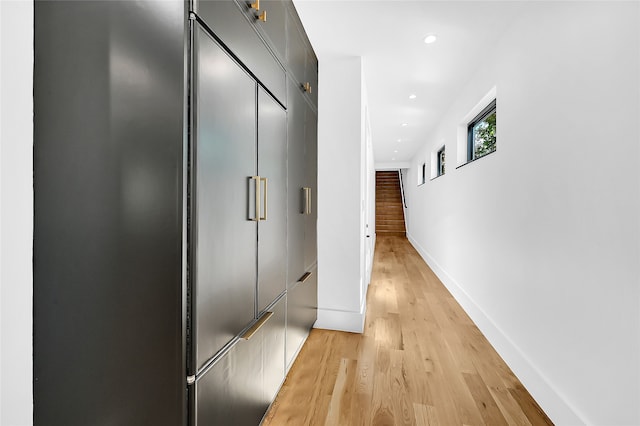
404,201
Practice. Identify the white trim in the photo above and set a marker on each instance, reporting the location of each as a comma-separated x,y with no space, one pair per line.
555,405
353,322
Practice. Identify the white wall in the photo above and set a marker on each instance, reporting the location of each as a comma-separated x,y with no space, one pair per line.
393,165
16,207
539,241
341,195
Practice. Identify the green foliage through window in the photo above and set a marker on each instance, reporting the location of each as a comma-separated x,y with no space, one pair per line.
482,133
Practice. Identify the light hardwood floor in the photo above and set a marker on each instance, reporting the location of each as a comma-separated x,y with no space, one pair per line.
420,361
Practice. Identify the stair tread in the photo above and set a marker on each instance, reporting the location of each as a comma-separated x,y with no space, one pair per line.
389,205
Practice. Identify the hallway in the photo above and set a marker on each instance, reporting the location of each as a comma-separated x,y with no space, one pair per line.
420,361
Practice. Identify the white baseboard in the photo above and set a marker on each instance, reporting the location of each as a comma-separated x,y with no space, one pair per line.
559,410
353,322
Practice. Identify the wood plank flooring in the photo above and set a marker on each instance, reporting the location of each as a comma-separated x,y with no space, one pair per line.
420,361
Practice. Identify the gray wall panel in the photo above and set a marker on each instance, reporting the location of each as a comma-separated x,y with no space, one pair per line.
108,145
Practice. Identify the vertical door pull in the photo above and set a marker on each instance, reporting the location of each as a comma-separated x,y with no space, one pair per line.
265,195
263,16
256,217
307,200
255,5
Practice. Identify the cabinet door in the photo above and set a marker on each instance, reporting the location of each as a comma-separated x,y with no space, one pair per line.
274,350
272,229
275,25
230,392
232,25
223,234
311,71
296,176
296,48
311,181
300,58
302,303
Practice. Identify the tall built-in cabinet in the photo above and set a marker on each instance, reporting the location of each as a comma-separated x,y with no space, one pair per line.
175,273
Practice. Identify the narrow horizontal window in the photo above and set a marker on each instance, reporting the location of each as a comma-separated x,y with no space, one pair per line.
441,158
481,133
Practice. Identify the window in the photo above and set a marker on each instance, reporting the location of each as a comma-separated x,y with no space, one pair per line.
423,177
440,157
481,133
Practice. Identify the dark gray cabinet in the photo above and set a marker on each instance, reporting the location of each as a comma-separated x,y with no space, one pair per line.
297,50
302,220
302,302
175,209
224,160
239,233
311,72
230,392
296,183
238,388
234,24
273,354
302,181
272,230
274,27
311,182
301,59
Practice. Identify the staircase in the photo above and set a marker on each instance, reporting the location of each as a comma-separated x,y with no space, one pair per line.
389,212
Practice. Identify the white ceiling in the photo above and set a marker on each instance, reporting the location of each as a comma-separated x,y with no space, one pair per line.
389,35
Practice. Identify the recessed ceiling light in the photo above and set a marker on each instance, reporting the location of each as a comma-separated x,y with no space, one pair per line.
404,124
431,38
399,140
412,96
395,150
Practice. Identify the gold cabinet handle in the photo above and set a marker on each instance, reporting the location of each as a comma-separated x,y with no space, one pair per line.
265,195
256,218
305,277
307,87
255,5
307,200
255,327
263,16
